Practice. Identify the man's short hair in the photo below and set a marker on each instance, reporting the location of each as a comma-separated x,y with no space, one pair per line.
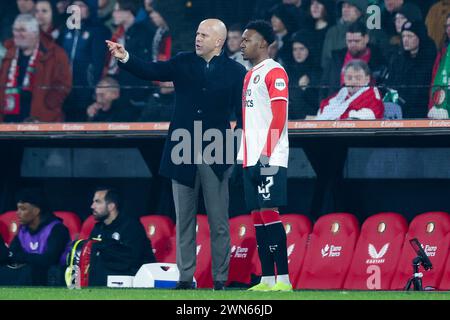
130,5
358,65
357,27
30,21
263,28
111,195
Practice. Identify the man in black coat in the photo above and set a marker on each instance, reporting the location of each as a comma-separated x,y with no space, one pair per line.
122,246
208,88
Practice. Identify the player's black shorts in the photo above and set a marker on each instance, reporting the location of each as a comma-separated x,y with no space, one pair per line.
265,187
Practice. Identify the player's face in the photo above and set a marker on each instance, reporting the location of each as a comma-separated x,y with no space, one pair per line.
250,44
99,206
26,213
355,79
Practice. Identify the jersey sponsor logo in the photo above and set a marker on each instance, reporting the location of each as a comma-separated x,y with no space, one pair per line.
331,251
280,84
375,255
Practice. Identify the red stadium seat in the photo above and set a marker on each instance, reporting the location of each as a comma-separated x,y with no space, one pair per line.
87,227
71,221
377,252
432,229
171,250
10,220
329,252
445,282
158,229
243,249
297,227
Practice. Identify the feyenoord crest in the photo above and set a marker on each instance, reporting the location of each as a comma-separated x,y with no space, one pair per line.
256,79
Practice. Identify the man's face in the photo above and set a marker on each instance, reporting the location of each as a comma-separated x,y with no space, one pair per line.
23,38
399,22
355,79
206,40
25,6
104,95
410,41
99,206
391,5
299,52
356,43
251,42
350,13
26,212
234,41
43,13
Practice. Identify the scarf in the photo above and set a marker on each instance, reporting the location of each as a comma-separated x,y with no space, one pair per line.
348,57
339,104
441,84
111,67
13,89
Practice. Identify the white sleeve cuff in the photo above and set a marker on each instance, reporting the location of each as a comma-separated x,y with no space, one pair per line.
127,57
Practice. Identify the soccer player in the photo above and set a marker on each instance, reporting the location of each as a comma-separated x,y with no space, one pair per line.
264,152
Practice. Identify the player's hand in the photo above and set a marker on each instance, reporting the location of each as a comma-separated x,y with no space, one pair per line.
116,49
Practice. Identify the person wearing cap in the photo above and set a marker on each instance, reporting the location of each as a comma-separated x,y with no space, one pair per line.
410,70
39,243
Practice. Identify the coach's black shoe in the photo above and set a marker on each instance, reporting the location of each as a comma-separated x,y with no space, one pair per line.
184,285
219,285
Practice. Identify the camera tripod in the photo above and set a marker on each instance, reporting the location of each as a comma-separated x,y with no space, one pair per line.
416,279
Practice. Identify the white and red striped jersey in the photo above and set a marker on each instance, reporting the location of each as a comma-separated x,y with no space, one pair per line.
264,84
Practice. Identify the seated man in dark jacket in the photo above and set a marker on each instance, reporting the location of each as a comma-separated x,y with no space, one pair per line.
38,245
123,246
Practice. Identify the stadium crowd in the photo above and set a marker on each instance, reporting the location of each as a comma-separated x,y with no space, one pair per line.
55,67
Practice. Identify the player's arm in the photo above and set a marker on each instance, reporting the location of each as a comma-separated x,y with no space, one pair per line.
277,86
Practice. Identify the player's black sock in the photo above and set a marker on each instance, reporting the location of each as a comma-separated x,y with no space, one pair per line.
277,246
265,256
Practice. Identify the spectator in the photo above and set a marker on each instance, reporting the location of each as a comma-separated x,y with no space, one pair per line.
388,14
410,70
436,19
48,18
300,8
357,41
108,107
407,12
162,40
26,6
284,24
123,247
351,11
138,37
37,76
439,98
234,45
356,100
303,74
38,245
86,52
105,12
323,15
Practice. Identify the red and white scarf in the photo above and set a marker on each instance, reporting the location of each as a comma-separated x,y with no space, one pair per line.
13,89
